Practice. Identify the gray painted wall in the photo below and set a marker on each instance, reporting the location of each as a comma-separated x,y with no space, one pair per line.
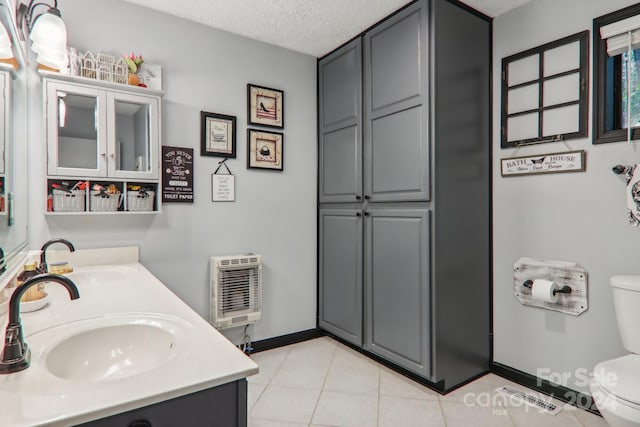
579,217
274,214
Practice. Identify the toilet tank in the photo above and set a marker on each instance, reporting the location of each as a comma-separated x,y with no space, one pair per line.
626,300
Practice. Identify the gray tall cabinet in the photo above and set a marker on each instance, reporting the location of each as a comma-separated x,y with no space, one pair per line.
404,191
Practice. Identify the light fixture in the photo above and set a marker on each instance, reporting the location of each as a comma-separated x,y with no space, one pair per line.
47,33
6,52
5,43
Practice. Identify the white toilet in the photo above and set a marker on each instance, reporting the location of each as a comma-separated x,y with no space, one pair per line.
616,383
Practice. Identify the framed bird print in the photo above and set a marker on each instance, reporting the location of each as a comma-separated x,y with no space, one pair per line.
566,161
265,106
264,150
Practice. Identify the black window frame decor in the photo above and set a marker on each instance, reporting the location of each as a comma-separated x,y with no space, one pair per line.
600,133
582,102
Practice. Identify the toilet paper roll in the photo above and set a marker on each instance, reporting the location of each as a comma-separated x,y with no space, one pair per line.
542,290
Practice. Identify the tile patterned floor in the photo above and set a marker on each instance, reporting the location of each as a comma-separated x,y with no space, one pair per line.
323,383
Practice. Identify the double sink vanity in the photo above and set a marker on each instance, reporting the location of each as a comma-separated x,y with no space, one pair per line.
128,352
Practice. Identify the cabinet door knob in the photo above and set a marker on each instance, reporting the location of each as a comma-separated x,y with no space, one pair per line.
358,214
113,156
140,423
366,213
358,198
103,154
366,197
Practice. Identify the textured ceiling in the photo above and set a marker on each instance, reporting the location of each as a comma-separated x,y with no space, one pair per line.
315,27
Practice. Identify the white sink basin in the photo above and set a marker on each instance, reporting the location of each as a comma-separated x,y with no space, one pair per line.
111,352
109,348
101,275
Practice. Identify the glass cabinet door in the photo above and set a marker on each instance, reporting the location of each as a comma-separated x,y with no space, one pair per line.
133,136
76,136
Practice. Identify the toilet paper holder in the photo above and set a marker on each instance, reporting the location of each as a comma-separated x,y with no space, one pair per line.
563,290
568,280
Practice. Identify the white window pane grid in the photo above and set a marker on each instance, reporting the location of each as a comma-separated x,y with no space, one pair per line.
522,127
558,121
561,90
523,98
561,59
524,70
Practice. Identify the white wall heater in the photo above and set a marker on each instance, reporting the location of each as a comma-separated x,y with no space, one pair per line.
236,290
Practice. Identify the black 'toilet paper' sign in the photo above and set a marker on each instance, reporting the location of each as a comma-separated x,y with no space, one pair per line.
177,174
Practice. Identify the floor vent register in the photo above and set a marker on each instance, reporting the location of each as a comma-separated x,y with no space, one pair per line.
529,399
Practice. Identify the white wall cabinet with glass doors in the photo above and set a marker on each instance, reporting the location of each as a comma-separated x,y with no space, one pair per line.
103,133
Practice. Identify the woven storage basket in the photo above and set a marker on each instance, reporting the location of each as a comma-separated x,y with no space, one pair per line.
69,202
102,202
137,201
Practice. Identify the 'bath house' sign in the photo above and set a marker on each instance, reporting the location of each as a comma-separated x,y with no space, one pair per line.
568,161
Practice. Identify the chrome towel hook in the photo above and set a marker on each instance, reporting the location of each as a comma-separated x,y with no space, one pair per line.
619,169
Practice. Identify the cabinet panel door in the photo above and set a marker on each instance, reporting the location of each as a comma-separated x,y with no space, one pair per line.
397,166
76,135
393,59
134,135
340,77
340,179
397,287
340,127
340,273
396,149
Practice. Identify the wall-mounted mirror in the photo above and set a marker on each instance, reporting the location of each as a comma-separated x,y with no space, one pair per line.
13,145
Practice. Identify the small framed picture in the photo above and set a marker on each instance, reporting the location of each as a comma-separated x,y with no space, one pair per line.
223,188
264,150
218,135
265,106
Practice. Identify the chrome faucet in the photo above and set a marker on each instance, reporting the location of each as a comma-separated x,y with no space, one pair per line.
16,355
43,254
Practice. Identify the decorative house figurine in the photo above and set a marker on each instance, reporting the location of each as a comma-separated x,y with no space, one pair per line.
120,72
88,66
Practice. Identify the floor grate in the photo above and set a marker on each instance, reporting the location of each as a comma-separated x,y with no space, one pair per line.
530,399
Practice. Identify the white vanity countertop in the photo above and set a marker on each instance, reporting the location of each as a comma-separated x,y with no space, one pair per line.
204,357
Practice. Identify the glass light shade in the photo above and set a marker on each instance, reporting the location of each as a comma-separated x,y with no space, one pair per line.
5,41
6,52
42,48
53,62
52,56
49,29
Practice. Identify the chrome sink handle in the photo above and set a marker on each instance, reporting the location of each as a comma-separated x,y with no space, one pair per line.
16,354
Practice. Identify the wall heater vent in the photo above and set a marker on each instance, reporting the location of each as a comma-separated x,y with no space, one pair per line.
236,290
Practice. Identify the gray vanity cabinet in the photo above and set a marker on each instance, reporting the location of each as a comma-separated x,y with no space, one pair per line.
397,295
224,405
409,280
340,252
340,117
396,145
